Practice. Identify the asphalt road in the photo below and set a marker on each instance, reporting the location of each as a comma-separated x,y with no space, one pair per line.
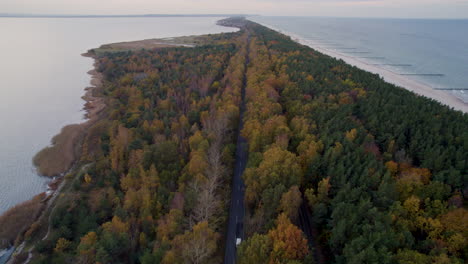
236,209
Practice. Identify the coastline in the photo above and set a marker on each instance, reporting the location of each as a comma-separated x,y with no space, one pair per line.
57,159
62,157
78,194
414,86
68,146
64,151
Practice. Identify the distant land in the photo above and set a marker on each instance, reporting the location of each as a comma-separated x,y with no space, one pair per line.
113,16
248,147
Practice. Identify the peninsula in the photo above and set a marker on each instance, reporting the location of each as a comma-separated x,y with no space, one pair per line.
248,147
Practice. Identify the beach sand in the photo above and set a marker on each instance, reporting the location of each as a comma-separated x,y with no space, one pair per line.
389,76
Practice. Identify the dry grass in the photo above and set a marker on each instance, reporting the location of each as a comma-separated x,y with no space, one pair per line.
185,41
66,146
59,157
17,220
20,258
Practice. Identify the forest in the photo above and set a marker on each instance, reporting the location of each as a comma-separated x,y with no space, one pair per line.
342,166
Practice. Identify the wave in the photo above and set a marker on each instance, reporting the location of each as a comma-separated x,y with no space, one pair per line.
455,99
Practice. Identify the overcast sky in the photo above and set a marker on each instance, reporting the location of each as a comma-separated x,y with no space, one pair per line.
348,8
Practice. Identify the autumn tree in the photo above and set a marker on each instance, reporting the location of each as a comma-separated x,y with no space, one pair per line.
278,166
290,202
196,246
288,242
87,248
256,249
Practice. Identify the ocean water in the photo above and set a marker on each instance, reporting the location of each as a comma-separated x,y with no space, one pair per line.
43,76
406,46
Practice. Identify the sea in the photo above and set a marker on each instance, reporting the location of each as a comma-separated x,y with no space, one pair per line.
43,76
430,51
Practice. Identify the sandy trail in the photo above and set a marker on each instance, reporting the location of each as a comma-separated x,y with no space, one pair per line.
389,76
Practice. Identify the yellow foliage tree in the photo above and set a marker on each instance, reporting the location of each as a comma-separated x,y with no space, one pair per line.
87,248
290,202
351,134
62,245
288,241
197,246
392,166
87,178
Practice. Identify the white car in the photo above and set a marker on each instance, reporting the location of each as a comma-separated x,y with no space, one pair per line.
238,233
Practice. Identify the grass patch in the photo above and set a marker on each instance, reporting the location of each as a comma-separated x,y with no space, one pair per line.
59,158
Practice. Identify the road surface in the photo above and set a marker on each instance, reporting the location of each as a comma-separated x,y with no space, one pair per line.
236,209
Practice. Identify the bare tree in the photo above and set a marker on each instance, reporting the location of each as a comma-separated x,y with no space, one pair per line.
208,204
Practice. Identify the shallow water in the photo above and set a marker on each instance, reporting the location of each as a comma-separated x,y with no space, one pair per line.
5,254
405,46
42,77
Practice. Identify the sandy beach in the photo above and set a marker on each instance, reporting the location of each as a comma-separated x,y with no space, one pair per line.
389,76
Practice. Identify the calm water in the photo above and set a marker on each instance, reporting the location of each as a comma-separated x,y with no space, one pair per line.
401,45
42,77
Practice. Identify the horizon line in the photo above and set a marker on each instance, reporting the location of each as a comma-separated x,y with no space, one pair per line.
117,15
26,15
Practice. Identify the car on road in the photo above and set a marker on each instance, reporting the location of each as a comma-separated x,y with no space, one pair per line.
238,233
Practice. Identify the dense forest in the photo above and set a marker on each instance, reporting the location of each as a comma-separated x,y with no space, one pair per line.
342,166
382,170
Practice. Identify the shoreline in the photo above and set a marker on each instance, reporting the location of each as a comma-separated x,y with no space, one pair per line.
414,86
63,155
66,149
57,159
79,196
66,146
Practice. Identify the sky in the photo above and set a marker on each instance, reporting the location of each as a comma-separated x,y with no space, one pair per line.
340,8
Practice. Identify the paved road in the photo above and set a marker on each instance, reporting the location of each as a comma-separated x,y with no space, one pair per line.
236,210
